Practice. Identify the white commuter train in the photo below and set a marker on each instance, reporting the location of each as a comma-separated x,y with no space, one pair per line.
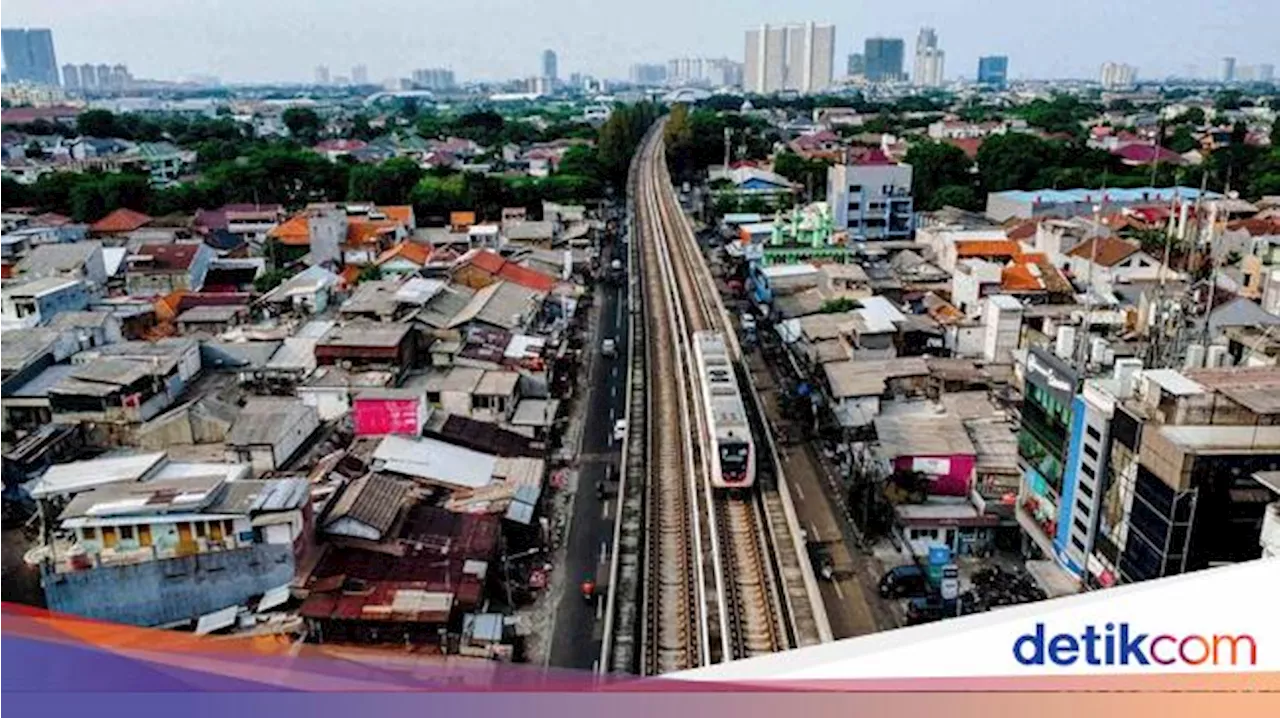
733,463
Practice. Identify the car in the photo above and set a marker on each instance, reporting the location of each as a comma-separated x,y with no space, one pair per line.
904,582
619,429
609,347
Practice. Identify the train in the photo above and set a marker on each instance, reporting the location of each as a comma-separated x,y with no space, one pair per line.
733,463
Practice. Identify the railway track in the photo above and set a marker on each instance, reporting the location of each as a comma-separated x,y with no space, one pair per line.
674,633
747,613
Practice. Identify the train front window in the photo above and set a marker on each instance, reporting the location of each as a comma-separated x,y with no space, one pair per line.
733,457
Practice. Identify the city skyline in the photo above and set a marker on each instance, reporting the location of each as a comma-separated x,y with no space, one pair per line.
214,40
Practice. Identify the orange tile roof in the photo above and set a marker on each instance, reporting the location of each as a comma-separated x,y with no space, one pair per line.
488,260
350,275
401,213
417,253
293,231
530,278
120,220
987,248
367,231
168,307
1019,277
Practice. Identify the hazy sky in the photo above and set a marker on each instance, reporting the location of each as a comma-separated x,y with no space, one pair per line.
283,40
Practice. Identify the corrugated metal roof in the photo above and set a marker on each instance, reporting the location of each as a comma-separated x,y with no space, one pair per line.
84,475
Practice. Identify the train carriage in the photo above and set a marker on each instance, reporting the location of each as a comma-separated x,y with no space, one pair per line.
733,462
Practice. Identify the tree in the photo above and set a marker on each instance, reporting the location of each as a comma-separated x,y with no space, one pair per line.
304,124
34,151
270,279
1013,160
1182,140
935,165
1193,116
581,161
955,195
368,274
391,182
678,135
839,304
97,123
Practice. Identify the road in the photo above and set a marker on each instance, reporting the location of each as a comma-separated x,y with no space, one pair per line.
576,633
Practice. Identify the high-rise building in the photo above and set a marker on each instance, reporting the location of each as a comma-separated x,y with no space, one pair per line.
322,74
29,55
44,59
993,70
648,74
433,78
883,57
1266,72
800,58
1118,76
88,76
1227,72
71,76
857,65
360,75
703,72
103,71
549,68
928,70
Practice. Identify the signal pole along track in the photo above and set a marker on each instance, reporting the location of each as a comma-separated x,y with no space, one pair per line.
723,579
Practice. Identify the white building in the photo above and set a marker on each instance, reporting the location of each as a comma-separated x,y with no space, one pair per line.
929,60
1118,76
800,58
871,201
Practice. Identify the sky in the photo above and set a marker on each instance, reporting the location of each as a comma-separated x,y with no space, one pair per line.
284,40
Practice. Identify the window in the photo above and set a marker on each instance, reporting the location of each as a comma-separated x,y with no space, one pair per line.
144,535
1082,507
1079,524
1075,541
201,529
126,533
1084,489
1091,452
228,527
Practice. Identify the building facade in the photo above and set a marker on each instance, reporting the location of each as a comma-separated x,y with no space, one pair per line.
798,58
928,71
29,56
883,57
993,71
871,201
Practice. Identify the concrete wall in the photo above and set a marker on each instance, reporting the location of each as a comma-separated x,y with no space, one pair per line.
160,592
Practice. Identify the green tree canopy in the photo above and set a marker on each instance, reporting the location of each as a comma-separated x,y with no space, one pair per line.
304,124
935,165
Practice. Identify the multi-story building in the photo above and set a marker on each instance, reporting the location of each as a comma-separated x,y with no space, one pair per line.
322,74
799,58
103,72
71,76
648,74
1050,386
1117,76
1179,489
856,65
29,56
1266,72
360,75
433,78
549,68
88,76
883,57
928,70
871,200
702,72
993,71
1227,70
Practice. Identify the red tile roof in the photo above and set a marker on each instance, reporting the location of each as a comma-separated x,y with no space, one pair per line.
120,221
493,263
968,145
1026,229
1111,250
1140,153
168,257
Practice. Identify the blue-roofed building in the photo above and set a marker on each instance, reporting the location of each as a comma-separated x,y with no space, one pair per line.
1031,204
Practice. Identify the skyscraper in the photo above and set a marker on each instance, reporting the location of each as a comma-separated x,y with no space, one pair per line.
1228,71
993,70
71,76
549,68
857,65
800,58
88,76
1266,72
44,60
322,74
29,55
1118,76
360,75
928,71
103,72
883,57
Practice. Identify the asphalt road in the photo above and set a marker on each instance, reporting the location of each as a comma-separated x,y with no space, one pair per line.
575,642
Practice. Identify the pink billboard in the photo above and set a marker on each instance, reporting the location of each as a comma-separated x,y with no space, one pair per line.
388,416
